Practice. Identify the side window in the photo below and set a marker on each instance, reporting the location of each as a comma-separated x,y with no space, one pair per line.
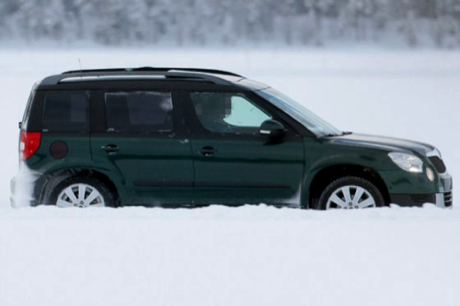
66,111
138,112
228,112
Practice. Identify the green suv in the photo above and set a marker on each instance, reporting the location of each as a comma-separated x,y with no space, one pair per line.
187,137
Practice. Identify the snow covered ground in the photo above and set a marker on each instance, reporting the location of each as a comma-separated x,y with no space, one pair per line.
252,255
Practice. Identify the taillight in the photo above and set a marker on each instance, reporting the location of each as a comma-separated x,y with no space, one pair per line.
30,142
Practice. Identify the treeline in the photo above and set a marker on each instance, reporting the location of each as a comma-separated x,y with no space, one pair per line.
234,22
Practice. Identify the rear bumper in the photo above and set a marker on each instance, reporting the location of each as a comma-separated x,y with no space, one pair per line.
443,200
22,189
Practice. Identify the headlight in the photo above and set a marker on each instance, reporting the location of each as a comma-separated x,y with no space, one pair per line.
407,162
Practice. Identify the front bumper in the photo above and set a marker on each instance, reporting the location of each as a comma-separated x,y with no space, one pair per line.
443,200
408,189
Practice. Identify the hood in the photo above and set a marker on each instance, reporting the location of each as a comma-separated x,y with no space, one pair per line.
383,143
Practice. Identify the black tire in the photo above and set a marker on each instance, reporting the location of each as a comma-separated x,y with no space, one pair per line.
351,182
104,191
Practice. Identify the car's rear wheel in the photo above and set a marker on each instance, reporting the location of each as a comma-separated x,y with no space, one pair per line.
81,192
351,193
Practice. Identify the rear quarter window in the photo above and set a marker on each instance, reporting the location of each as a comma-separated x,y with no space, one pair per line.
25,118
66,111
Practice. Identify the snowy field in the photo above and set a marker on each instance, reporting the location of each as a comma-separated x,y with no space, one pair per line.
252,255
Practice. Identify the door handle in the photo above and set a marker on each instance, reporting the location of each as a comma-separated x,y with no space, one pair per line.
110,148
207,151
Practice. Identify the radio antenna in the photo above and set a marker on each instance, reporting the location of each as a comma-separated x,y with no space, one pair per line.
79,63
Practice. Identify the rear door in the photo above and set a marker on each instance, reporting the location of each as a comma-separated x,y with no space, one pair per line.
139,138
234,164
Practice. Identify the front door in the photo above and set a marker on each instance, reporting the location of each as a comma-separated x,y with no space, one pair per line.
233,163
142,144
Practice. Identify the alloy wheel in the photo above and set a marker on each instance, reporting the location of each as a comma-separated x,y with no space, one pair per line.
350,197
80,195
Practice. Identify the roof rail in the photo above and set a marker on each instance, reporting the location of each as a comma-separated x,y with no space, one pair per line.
157,69
182,73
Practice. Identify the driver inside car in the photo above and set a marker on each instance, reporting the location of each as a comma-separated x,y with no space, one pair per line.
212,109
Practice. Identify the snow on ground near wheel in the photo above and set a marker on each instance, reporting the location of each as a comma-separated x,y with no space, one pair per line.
251,255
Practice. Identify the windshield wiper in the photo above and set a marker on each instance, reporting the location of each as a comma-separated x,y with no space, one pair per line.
335,135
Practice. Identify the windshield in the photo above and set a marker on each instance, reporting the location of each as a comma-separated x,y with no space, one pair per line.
299,112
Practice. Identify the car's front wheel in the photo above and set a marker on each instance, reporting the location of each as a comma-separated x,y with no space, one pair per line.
351,193
81,192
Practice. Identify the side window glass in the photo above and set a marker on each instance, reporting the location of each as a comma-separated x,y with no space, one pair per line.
245,114
139,112
66,111
228,112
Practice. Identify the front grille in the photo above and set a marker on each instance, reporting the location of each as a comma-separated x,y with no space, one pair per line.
448,199
438,164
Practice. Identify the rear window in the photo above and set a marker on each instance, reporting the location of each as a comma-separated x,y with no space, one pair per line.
66,111
138,112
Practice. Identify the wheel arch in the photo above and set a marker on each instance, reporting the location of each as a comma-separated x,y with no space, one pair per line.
49,182
331,173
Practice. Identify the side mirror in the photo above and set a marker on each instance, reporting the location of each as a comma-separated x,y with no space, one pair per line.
272,128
